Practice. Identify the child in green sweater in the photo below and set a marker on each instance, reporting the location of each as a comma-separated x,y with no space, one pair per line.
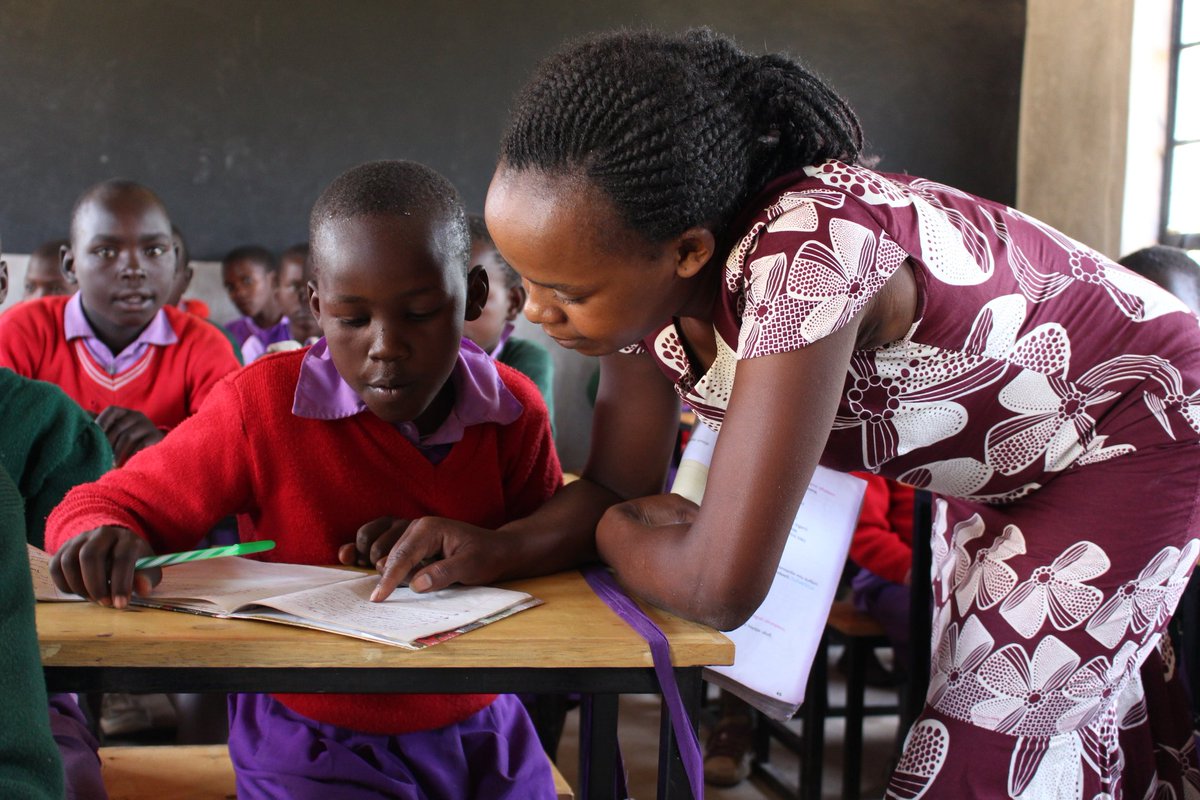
48,444
30,766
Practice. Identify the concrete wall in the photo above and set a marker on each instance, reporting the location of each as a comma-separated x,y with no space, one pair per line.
1093,111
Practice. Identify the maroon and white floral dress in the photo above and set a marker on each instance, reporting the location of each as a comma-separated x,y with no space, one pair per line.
1051,400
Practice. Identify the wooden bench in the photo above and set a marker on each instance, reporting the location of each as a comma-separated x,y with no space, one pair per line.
191,772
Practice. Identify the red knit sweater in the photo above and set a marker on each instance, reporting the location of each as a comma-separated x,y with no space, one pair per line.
309,485
167,384
882,541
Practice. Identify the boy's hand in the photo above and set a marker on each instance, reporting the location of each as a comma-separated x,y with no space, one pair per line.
98,565
128,431
455,551
372,543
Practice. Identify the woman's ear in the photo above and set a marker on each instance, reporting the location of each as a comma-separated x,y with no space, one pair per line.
516,302
477,292
693,249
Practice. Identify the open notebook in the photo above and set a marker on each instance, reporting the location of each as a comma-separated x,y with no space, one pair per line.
334,600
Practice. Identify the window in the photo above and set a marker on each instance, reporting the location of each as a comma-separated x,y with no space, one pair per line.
1181,218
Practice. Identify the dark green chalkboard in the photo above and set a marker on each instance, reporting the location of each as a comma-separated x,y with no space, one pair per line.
237,112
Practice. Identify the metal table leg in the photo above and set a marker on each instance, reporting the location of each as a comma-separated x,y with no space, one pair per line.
672,777
598,746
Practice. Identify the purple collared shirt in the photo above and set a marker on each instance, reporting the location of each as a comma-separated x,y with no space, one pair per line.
76,326
505,335
254,340
480,396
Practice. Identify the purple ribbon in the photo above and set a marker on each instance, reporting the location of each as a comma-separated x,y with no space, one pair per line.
607,588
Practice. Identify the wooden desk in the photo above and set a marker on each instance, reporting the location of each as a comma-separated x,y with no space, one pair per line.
572,643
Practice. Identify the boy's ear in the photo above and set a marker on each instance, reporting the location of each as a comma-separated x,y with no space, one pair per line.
693,249
314,302
3,281
477,292
66,259
516,302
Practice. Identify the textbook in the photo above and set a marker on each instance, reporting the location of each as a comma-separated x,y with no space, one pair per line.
322,598
776,647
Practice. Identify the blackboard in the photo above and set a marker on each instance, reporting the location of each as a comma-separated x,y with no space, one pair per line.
237,112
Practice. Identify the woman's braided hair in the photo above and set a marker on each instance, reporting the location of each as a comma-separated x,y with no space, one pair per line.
678,130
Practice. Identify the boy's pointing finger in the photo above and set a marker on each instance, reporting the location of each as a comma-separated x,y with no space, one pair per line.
406,556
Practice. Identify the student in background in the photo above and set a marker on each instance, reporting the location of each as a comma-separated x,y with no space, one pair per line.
251,276
304,327
1171,268
407,420
293,280
882,548
493,330
47,446
183,279
44,276
140,367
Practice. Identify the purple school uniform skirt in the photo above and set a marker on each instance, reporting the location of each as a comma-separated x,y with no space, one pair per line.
280,755
78,748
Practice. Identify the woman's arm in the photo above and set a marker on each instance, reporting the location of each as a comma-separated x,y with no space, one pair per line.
715,564
633,434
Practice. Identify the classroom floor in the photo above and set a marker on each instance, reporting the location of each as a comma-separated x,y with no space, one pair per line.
638,732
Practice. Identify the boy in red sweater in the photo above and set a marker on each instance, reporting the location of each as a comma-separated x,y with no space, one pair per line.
140,367
407,420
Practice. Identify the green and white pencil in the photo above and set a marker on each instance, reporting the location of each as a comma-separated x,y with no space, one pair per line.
242,549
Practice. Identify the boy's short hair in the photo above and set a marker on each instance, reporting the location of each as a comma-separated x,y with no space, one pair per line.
480,234
110,188
255,254
395,188
1160,260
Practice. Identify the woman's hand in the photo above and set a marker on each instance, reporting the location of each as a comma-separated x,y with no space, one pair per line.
433,553
98,565
128,431
373,542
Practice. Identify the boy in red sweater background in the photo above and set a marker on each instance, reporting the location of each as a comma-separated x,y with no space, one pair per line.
407,420
140,368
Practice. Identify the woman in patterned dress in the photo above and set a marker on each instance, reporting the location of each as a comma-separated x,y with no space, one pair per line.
681,208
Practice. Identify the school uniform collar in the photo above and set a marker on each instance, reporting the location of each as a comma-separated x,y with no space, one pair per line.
480,395
278,332
76,326
505,335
